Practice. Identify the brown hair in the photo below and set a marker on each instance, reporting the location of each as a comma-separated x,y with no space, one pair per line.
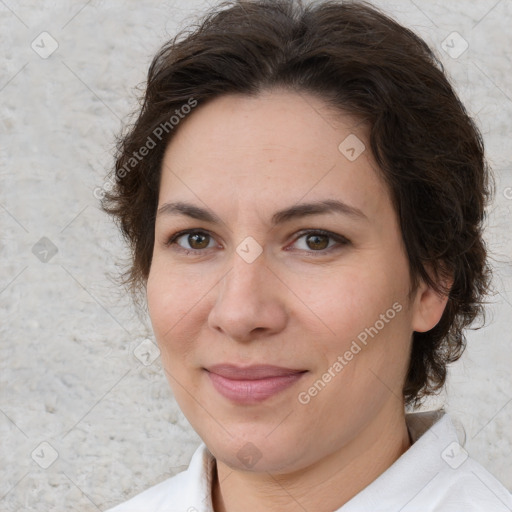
361,62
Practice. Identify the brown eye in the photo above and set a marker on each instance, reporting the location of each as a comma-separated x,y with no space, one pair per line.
191,241
317,242
198,240
320,242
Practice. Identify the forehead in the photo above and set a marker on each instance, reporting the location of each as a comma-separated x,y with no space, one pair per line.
279,146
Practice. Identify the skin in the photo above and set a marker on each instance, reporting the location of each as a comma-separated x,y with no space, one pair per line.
300,304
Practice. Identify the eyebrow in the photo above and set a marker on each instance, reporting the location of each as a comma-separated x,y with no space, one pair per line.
293,212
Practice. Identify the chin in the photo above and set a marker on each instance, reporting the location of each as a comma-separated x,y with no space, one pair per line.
257,453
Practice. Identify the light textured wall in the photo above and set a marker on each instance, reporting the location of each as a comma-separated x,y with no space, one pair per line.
69,337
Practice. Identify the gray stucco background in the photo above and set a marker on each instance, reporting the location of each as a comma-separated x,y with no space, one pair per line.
74,375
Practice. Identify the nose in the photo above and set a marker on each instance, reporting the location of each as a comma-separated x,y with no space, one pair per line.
250,302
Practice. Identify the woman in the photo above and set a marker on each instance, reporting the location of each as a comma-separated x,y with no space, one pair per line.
304,194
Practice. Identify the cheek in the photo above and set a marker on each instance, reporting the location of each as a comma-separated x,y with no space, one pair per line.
347,299
166,307
160,301
367,321
170,293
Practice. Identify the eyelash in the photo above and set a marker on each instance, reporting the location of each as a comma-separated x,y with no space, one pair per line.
341,240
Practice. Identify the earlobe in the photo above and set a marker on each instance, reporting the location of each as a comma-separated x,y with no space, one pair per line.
429,306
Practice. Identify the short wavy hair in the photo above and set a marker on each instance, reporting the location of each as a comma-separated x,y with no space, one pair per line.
361,62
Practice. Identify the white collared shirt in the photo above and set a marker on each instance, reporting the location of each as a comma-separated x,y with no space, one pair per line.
434,474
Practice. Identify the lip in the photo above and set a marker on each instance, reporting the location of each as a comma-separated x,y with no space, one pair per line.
251,384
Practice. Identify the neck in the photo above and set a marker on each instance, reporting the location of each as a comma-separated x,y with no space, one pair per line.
325,486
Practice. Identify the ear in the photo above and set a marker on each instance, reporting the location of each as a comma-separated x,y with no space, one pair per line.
428,306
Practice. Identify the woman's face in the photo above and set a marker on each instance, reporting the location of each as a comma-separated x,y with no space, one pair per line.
284,329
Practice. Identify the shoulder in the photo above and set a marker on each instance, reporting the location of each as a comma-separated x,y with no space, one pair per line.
459,481
187,491
435,474
469,487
